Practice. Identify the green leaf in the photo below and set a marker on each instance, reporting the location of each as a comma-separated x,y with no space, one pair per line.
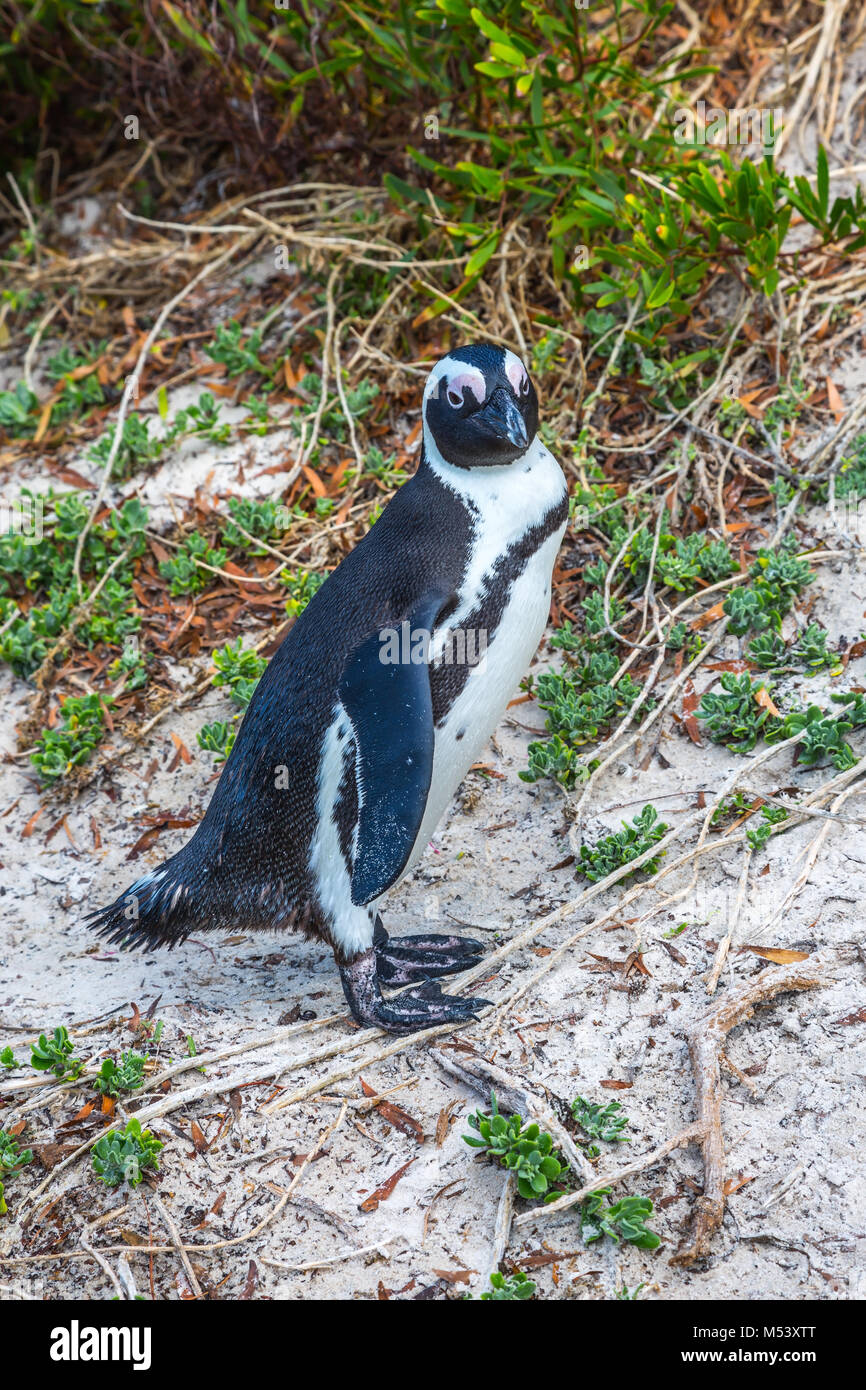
823,182
481,255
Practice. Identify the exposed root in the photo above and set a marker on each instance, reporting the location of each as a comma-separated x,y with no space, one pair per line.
706,1040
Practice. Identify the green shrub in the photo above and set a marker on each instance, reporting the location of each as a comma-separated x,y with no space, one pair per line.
60,749
601,1121
523,1149
55,1054
625,1220
128,1075
12,1160
183,569
239,669
614,851
734,716
517,1286
123,1155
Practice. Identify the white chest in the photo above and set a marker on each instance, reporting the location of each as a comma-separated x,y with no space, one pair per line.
509,502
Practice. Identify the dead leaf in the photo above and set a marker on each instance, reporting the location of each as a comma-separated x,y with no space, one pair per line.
443,1123
455,1276
49,1155
858,1017
634,961
394,1114
400,1119
86,1109
537,1259
181,748
776,955
132,1237
834,400
765,700
690,703
199,1142
315,481
382,1193
734,1184
708,617
616,1085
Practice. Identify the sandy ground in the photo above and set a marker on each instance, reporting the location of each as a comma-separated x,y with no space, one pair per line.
796,1221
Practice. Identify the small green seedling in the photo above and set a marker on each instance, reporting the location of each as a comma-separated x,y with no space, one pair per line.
7,1059
502,1289
772,815
264,519
673,932
218,738
302,585
601,1121
239,669
12,1160
187,567
55,1054
822,736
524,1150
777,578
123,1155
626,1295
128,1076
237,353
557,760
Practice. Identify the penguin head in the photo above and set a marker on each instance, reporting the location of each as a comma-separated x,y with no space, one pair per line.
480,407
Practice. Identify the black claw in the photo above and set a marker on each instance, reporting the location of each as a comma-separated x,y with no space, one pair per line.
432,943
424,1007
410,958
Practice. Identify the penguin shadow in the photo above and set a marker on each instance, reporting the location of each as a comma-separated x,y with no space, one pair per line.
265,979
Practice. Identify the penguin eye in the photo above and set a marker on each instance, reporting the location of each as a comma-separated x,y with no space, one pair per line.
517,375
467,387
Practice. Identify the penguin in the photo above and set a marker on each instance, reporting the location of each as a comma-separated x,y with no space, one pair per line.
376,704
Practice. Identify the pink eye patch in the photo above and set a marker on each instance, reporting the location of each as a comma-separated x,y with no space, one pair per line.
516,373
471,381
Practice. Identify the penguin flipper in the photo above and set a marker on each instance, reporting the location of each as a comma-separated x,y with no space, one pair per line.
390,707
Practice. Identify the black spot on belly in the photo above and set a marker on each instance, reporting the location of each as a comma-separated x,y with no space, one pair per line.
346,808
447,681
457,737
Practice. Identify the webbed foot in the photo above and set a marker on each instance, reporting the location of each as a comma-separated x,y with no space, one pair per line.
406,959
421,1007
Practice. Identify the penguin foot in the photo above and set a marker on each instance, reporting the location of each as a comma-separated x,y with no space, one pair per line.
409,959
421,1007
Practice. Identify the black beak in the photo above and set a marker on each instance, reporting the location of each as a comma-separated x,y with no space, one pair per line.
506,418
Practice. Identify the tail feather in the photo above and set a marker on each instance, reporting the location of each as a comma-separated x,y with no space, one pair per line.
189,893
156,910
